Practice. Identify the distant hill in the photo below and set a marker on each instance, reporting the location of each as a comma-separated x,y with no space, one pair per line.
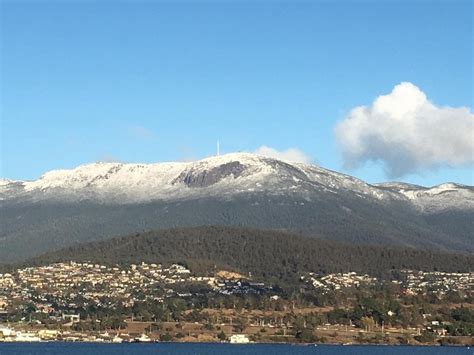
102,200
266,254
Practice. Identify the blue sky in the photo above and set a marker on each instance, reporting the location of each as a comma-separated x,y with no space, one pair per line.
158,81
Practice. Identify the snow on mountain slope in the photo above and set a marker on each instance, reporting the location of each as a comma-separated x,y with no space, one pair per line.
102,200
437,198
225,176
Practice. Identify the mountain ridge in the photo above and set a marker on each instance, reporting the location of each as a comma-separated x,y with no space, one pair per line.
98,201
131,182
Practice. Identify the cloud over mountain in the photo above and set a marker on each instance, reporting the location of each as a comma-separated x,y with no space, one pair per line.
292,154
407,132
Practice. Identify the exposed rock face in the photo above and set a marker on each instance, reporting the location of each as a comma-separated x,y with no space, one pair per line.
204,178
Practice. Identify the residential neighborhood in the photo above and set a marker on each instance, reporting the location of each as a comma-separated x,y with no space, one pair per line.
72,301
413,282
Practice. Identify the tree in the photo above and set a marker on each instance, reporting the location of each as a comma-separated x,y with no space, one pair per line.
426,337
305,336
221,336
166,337
368,323
240,324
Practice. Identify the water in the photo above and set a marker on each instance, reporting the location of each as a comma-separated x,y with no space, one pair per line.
220,349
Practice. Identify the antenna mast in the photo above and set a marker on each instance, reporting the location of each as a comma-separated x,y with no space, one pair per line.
218,148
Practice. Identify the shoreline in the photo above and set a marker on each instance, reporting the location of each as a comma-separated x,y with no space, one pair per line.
136,332
97,342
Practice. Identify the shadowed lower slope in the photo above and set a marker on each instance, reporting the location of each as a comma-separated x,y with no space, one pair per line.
267,254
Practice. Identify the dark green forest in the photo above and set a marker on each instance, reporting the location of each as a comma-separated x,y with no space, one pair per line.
268,255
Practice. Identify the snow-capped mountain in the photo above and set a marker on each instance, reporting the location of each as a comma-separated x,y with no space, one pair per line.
226,175
101,200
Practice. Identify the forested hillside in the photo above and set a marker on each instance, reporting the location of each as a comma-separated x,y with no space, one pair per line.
266,254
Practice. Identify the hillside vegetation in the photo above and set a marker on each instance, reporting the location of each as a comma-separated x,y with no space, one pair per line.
266,254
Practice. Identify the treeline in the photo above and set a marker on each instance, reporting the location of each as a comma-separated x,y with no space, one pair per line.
266,254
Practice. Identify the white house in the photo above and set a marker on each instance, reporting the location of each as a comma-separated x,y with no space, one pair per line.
239,339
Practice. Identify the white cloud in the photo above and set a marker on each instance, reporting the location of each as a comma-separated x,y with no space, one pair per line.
407,132
291,154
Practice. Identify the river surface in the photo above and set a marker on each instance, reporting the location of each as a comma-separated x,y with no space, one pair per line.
218,349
